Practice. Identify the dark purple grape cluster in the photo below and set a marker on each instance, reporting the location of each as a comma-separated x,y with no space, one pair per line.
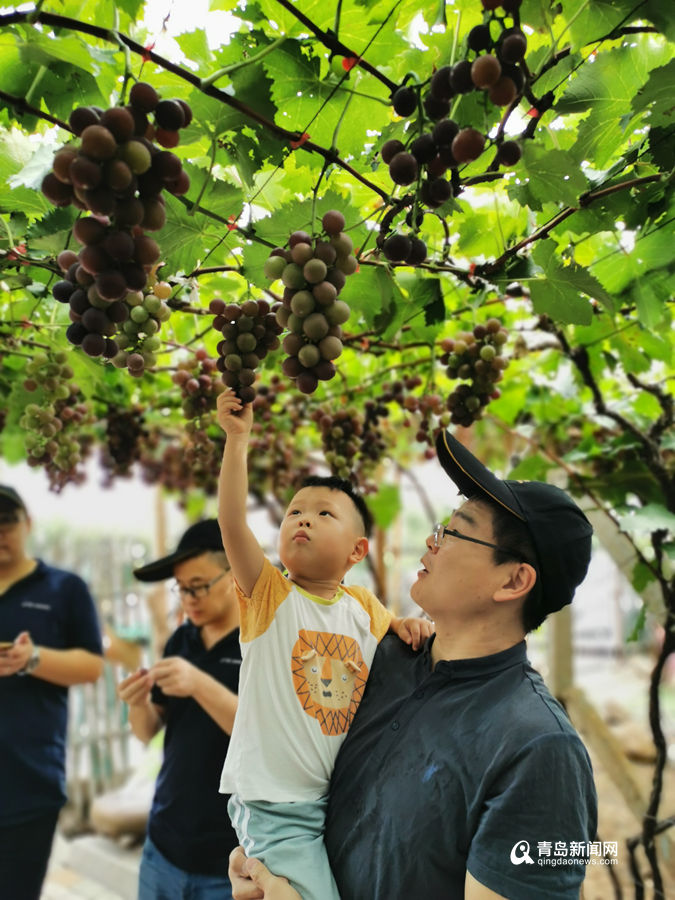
123,446
476,358
404,248
124,330
443,144
249,332
192,460
53,422
117,174
424,412
313,271
341,431
199,383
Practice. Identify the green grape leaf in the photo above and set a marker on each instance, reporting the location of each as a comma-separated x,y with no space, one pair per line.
553,175
385,505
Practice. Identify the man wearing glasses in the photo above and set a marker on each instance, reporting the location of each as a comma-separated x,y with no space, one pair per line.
191,691
461,777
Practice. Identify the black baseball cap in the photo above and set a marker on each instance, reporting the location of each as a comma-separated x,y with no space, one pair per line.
10,500
199,538
560,532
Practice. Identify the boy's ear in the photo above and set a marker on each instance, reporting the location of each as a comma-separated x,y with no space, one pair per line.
360,551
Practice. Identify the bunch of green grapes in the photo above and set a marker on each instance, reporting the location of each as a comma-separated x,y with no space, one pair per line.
313,271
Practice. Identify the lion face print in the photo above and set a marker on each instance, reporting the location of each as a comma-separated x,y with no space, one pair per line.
329,676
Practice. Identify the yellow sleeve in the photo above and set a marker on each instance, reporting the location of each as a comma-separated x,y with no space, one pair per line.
380,617
257,611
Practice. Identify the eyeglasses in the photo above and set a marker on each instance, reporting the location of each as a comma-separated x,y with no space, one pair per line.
439,532
199,590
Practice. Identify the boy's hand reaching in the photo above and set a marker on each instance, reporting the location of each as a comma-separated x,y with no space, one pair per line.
233,416
413,631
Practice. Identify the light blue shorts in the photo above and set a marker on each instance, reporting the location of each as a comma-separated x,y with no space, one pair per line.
288,838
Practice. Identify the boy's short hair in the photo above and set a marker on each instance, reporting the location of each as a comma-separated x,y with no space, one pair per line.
334,483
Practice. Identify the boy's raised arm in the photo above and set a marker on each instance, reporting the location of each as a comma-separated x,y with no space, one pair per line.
243,550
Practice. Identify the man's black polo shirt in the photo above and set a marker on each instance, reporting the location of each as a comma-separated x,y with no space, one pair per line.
188,822
454,768
57,609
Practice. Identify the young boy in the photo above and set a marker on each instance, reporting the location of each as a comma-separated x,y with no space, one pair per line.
307,644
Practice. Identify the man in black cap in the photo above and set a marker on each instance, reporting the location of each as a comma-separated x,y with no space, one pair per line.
49,639
191,690
461,777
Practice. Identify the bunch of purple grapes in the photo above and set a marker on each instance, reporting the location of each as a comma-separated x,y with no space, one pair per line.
439,144
476,358
117,174
199,383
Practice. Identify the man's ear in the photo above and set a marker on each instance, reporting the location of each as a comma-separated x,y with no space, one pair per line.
360,551
520,580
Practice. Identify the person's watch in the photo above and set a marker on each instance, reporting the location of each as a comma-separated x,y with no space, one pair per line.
32,663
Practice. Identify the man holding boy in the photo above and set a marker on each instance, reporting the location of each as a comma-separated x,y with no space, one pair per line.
461,777
308,641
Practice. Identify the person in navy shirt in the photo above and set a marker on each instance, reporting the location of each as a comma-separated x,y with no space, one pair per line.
461,777
49,639
191,691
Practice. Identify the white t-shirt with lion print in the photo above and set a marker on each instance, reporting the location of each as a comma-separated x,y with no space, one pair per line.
305,661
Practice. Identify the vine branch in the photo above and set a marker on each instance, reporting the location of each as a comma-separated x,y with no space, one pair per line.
332,43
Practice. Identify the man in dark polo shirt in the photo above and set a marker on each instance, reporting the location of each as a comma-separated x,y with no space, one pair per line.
461,777
49,639
191,690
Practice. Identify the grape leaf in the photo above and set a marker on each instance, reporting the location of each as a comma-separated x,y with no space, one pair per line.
385,505
559,294
552,175
186,238
656,96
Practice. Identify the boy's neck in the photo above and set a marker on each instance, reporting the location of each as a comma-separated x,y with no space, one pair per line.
326,589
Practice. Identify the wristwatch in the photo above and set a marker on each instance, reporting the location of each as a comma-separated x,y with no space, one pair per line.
32,663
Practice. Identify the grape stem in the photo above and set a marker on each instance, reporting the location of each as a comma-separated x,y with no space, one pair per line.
207,176
235,67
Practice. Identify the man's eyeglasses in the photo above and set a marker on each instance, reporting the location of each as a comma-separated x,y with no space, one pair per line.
197,590
439,532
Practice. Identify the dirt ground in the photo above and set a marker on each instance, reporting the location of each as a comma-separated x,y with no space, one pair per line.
617,823
620,696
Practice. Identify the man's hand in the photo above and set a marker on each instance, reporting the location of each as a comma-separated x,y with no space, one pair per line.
414,631
251,880
14,659
135,690
233,417
175,676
